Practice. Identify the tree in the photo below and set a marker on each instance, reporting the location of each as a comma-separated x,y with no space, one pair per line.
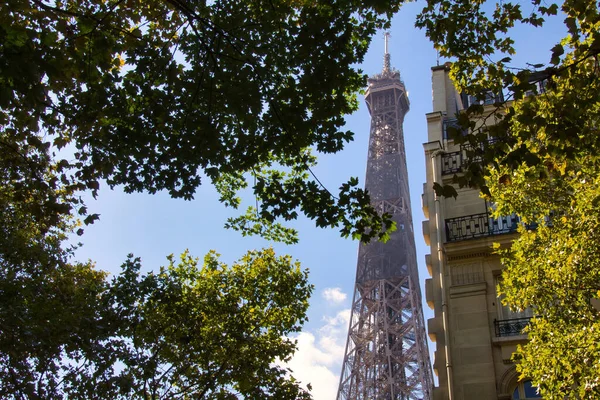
544,168
152,96
208,331
158,95
187,331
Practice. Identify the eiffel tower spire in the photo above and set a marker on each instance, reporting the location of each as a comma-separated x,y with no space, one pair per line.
386,353
386,54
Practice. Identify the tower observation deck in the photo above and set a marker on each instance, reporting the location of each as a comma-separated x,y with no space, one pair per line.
386,353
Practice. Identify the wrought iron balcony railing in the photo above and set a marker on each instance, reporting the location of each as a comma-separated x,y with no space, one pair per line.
479,225
510,327
452,162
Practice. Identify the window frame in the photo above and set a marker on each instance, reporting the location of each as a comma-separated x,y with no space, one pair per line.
520,391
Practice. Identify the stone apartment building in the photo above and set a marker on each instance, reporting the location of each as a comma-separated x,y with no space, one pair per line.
474,334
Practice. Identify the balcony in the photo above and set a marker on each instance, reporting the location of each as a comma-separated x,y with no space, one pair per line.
452,162
479,225
510,327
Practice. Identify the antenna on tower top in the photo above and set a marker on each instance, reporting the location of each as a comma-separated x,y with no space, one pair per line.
386,37
386,55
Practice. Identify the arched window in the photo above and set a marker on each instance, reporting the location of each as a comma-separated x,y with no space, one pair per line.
525,391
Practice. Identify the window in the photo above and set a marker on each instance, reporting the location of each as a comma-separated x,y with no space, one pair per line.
540,80
525,391
540,87
510,322
504,312
453,124
485,98
490,98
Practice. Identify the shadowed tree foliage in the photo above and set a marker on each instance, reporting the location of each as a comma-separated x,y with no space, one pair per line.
544,167
166,95
187,331
155,95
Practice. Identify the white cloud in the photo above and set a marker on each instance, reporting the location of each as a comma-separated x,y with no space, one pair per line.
335,295
319,357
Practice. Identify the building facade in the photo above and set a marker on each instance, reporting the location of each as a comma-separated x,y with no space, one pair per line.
386,353
474,334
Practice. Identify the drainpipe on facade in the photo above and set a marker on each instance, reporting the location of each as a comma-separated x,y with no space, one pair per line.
442,275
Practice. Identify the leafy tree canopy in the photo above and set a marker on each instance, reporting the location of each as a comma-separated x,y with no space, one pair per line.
164,95
157,95
544,167
187,331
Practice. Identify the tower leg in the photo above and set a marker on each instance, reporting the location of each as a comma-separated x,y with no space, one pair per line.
386,347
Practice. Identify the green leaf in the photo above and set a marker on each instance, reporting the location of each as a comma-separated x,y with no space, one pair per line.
557,51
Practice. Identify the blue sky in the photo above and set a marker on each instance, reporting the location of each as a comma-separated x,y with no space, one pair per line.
153,226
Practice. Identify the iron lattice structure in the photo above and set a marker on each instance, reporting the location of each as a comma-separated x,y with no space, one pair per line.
386,351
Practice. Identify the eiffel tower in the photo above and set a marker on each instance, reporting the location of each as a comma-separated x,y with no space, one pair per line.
386,353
